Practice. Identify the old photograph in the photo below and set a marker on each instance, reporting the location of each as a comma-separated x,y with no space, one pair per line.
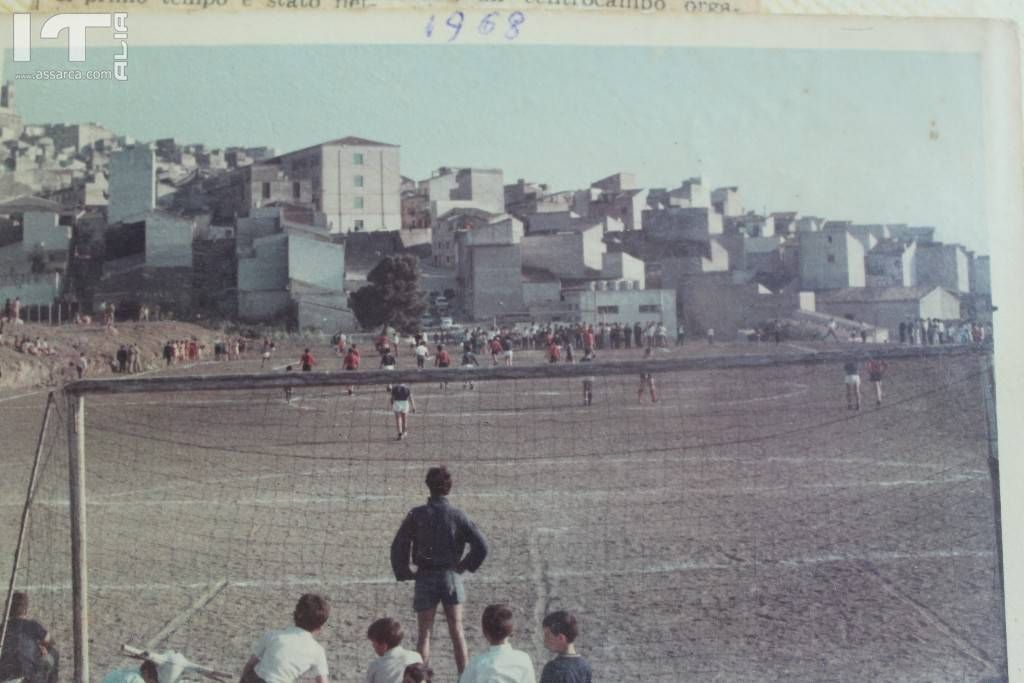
484,343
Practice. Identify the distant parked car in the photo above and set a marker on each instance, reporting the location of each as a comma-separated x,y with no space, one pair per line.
447,323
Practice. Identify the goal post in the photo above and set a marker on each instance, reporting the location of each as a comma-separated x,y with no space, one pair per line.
212,499
77,513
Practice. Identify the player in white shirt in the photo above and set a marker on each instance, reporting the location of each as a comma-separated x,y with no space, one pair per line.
501,663
285,656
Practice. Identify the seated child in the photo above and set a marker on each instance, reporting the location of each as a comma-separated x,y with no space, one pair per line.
392,659
28,651
283,656
418,673
501,662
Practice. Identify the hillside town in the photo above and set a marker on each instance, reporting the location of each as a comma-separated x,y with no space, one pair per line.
92,221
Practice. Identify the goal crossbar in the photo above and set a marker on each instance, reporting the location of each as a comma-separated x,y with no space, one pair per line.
500,372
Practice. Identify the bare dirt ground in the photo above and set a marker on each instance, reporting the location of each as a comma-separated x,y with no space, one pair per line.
746,527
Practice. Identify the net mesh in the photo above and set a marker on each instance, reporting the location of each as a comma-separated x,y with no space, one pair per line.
745,526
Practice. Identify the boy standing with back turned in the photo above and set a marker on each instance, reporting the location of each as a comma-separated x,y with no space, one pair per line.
435,537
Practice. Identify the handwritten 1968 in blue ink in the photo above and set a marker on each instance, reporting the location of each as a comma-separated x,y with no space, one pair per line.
491,21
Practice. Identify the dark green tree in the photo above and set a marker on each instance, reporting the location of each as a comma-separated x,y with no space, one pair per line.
393,296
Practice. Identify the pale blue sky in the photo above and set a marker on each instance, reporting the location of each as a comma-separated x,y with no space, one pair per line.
865,136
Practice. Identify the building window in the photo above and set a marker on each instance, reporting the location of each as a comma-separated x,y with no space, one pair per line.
357,225
357,159
296,190
650,308
357,203
266,190
831,258
358,180
608,310
829,238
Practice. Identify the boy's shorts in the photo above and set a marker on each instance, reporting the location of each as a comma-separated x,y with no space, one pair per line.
853,380
437,585
400,407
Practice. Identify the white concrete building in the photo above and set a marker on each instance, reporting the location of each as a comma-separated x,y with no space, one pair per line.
444,250
40,223
762,254
169,239
943,265
570,221
490,267
263,279
34,289
809,224
727,202
785,222
625,206
577,255
620,302
620,266
891,263
692,193
355,183
132,183
888,307
556,221
981,280
867,234
831,260
756,225
460,188
32,227
77,136
680,223
295,267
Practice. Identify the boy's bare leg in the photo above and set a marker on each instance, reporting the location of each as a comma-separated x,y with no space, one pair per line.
425,622
453,613
878,393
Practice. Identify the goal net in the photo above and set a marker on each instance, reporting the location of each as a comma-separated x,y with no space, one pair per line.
746,525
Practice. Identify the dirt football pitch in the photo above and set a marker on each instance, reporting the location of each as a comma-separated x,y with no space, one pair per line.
747,526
